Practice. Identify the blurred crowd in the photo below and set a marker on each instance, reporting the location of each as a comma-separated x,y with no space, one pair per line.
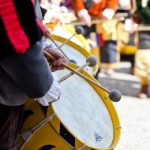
117,30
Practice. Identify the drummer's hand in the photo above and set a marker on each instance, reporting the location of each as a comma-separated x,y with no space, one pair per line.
60,59
85,17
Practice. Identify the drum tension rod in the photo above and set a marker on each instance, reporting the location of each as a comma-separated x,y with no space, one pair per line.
27,135
58,47
79,30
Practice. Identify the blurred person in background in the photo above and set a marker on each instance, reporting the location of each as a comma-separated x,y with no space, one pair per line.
142,58
126,34
101,10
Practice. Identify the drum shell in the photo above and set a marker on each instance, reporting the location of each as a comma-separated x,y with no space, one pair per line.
53,137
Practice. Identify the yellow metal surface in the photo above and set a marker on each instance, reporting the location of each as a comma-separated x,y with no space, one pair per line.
45,136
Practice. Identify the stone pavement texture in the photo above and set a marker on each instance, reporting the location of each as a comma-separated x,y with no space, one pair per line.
133,112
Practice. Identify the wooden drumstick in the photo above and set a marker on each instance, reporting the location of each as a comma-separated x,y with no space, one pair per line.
79,30
49,36
90,61
114,95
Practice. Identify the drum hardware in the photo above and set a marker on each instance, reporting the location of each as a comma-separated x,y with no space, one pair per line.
80,148
27,135
79,30
114,95
90,61
119,127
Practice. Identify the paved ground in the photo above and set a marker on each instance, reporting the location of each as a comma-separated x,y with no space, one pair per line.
134,116
134,113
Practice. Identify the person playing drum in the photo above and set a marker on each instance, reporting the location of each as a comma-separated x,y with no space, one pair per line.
24,71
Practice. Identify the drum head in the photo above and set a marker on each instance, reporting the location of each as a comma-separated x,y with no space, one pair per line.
82,111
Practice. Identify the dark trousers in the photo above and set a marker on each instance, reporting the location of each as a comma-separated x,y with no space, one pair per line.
10,123
108,52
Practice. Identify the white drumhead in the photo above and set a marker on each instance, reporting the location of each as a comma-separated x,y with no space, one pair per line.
74,54
83,113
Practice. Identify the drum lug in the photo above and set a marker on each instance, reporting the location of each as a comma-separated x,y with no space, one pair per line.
80,148
119,127
26,135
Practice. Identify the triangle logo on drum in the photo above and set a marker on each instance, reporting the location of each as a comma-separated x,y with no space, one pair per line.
47,147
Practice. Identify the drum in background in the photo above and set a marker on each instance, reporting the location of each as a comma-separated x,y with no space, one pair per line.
85,118
75,52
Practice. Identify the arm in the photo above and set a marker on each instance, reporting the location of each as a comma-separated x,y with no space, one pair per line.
110,9
82,12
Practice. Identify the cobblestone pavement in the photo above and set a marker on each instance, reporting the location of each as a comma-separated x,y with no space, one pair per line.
134,113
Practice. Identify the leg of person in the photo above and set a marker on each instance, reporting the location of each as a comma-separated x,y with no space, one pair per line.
144,88
10,121
108,56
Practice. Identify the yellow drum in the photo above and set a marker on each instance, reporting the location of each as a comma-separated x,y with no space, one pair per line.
84,118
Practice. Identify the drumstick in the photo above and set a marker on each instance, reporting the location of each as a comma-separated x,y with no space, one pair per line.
90,61
79,30
49,36
27,135
114,95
